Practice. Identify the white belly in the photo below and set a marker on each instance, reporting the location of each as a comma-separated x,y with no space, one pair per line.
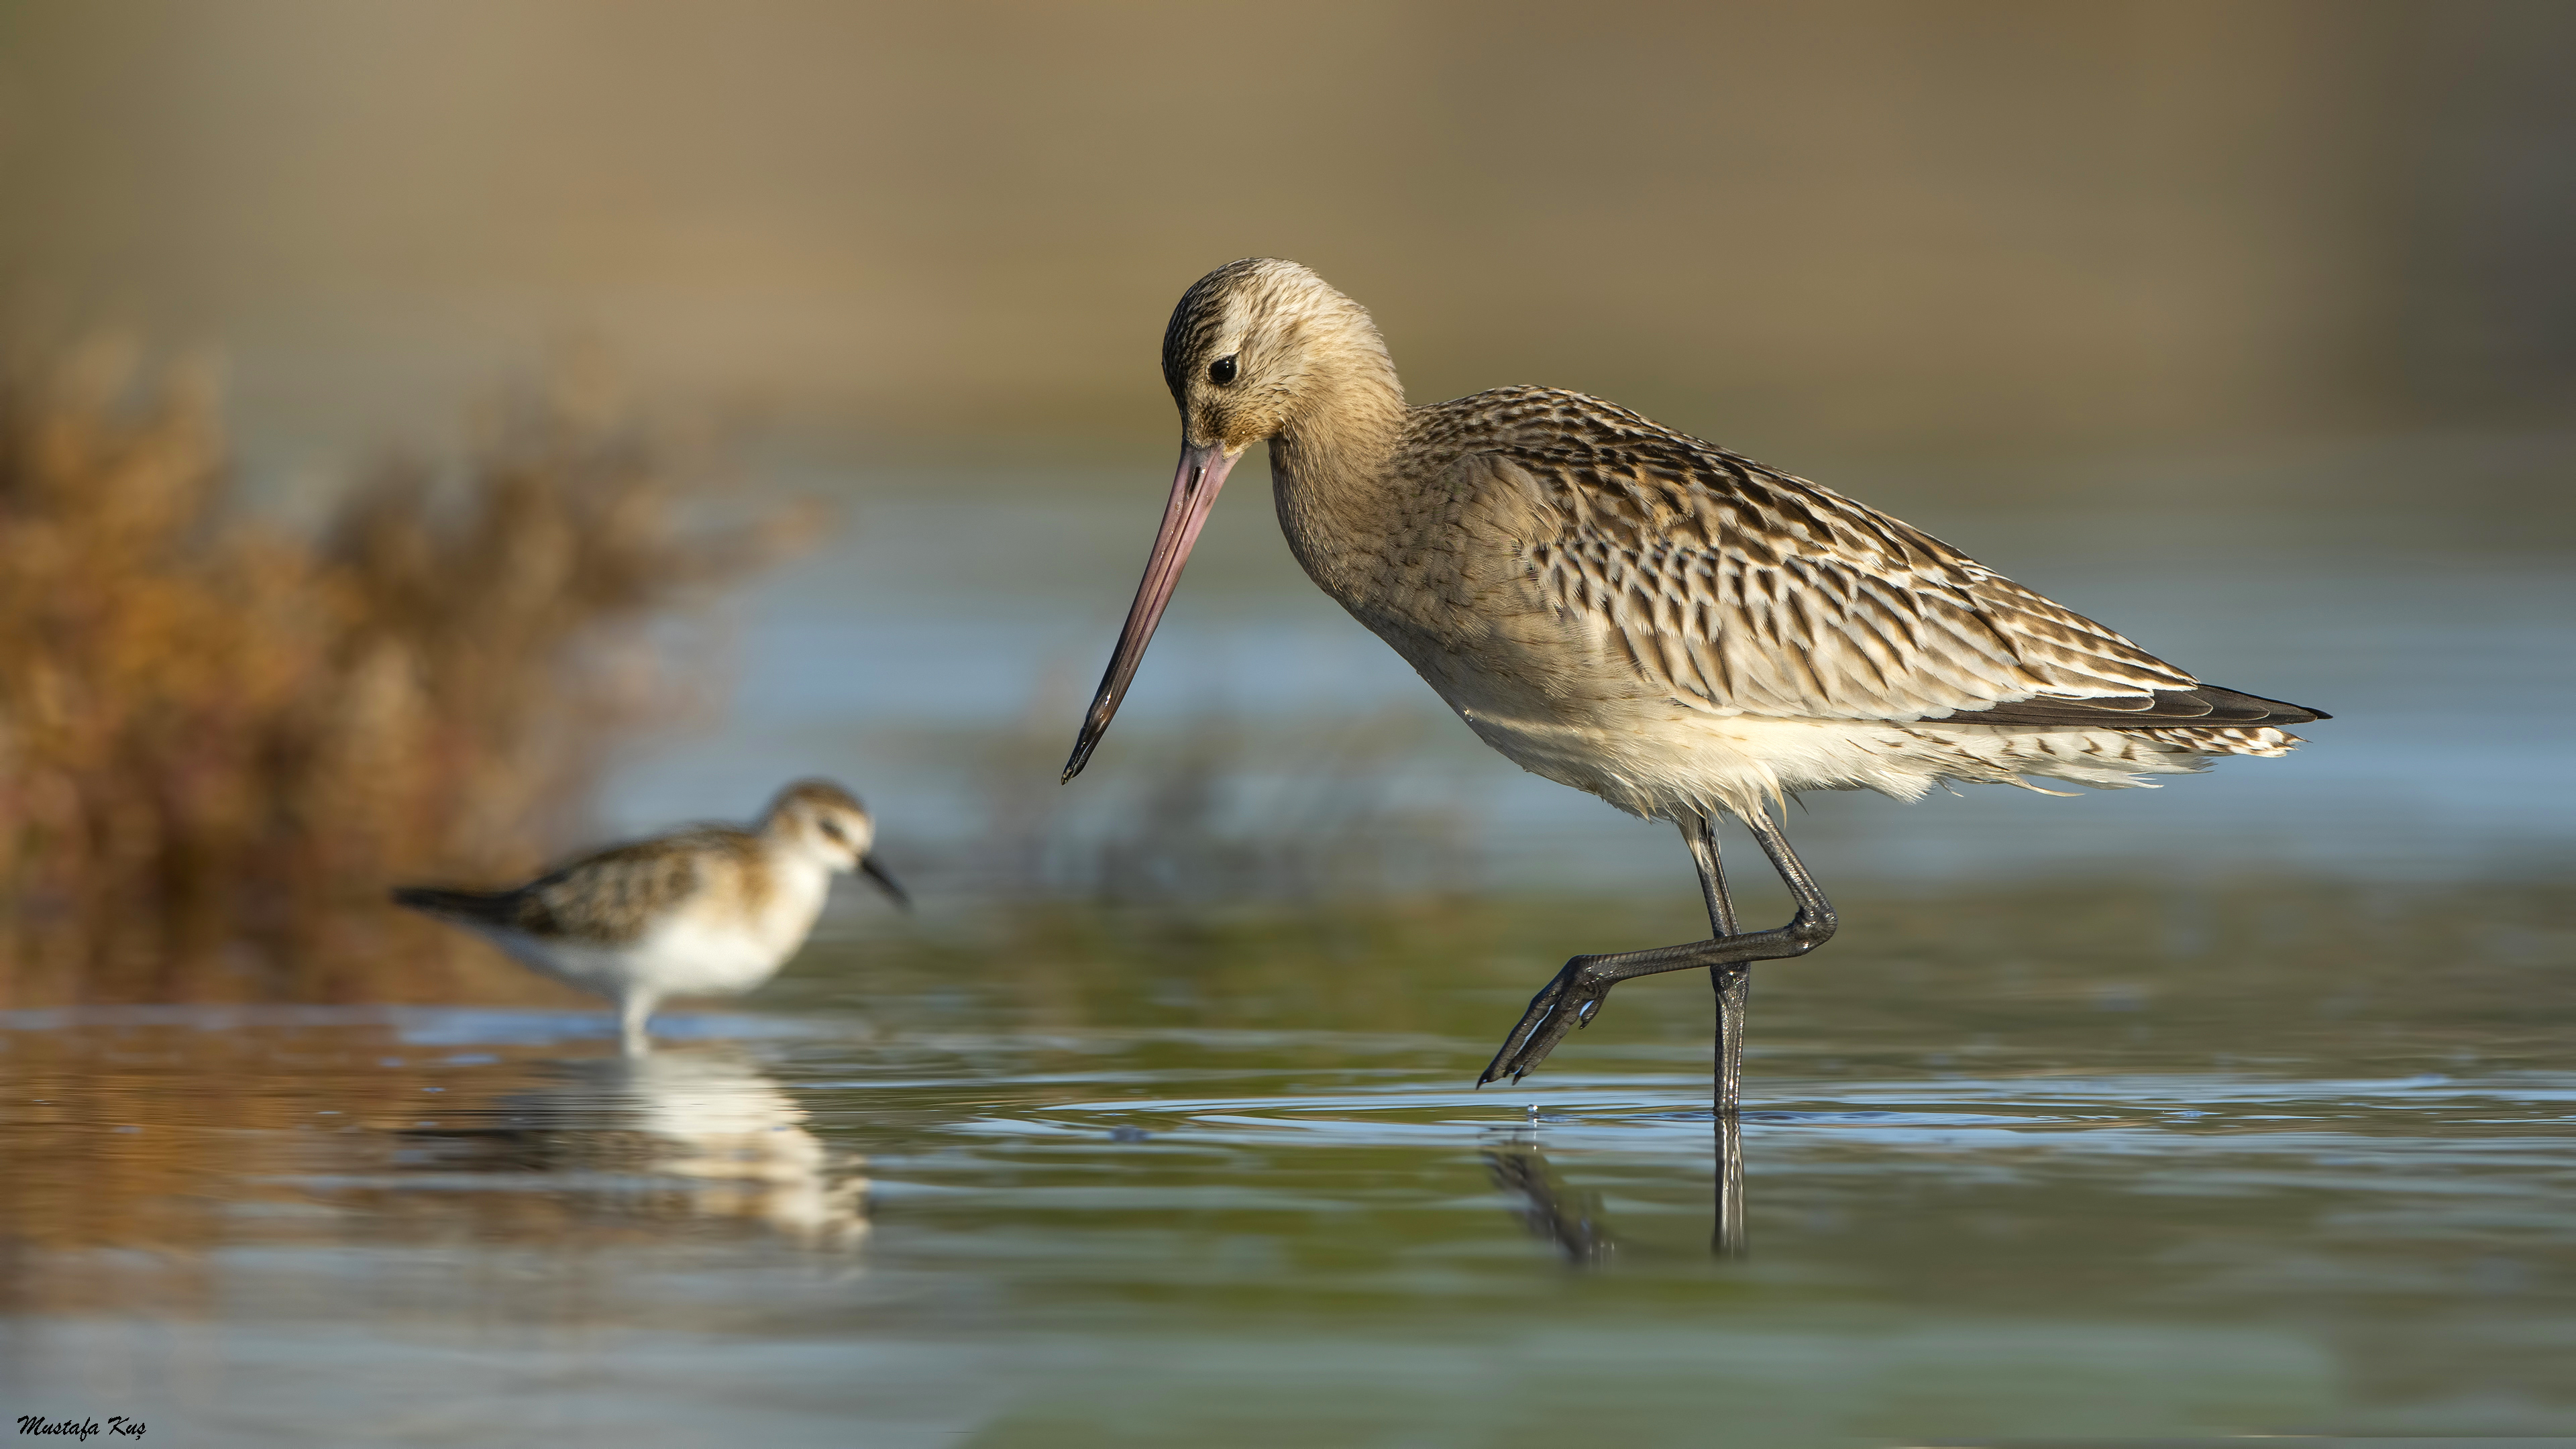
1670,760
708,948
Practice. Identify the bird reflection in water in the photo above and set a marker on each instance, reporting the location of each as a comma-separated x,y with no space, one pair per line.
1571,1217
703,1134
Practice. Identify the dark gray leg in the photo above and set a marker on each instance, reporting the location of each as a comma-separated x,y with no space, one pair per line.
1569,1001
1732,984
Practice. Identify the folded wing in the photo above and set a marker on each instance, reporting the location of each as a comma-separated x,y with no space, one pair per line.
1766,595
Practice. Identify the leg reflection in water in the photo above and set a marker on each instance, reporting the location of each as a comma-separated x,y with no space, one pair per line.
1554,1212
1571,1217
1727,1239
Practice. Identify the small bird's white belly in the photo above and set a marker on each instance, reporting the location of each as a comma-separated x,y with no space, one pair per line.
695,957
705,948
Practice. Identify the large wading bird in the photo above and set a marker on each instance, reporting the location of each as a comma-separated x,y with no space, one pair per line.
1647,617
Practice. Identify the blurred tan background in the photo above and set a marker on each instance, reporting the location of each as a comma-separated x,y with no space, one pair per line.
1821,232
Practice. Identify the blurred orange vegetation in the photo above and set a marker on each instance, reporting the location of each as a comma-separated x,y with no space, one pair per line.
221,741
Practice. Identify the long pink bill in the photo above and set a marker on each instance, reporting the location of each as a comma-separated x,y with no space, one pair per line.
1194,487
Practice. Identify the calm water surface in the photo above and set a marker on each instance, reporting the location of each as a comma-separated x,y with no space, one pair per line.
2100,1160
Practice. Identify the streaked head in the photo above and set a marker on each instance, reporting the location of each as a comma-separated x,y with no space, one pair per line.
1248,345
1252,348
827,823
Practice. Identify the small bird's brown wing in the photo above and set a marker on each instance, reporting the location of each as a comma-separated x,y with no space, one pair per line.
612,897
1765,594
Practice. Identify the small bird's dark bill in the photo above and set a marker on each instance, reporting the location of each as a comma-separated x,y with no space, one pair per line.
885,881
1194,488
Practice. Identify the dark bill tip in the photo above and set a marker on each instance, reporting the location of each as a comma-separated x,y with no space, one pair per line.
885,880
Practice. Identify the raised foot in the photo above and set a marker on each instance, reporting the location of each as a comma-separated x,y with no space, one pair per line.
1570,1000
1560,1006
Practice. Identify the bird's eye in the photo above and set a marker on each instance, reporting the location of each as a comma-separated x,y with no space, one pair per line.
1221,371
834,831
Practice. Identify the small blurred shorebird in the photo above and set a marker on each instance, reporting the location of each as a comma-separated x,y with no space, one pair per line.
709,910
1647,617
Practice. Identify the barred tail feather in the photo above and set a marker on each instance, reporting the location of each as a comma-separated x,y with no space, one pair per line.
456,905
